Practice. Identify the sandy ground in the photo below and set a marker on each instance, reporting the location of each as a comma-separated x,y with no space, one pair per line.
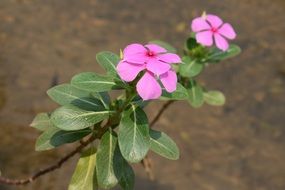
240,146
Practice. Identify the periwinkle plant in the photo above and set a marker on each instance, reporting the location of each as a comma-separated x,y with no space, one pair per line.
121,127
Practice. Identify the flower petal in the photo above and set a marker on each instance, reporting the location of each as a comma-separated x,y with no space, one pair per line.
214,20
221,42
169,58
227,31
155,48
148,88
199,24
169,81
135,53
127,71
205,38
157,67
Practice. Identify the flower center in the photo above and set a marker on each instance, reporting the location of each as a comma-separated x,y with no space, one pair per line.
150,53
214,30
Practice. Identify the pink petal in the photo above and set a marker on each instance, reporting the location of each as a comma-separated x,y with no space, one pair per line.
214,20
127,71
148,88
221,42
169,81
227,31
157,67
199,24
155,48
205,38
135,53
169,58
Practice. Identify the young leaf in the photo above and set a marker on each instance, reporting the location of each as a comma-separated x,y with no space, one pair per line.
93,82
214,98
179,94
70,117
84,176
195,91
127,180
65,93
165,45
108,61
217,55
190,67
133,134
191,43
107,161
163,145
41,122
54,137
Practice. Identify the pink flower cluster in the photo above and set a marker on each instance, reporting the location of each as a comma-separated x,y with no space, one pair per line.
210,28
156,62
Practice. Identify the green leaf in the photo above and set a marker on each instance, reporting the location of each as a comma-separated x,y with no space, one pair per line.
41,122
217,55
65,94
133,134
214,98
108,160
108,61
137,100
163,145
54,137
195,91
191,44
84,176
165,45
179,94
104,98
127,180
93,82
70,117
190,67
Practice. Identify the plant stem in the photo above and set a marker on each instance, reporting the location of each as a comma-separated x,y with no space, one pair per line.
160,112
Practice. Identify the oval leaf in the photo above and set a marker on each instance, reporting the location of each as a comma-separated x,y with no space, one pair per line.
127,180
163,145
104,98
195,91
65,94
179,94
133,134
93,82
74,118
41,122
217,55
54,137
84,176
190,67
107,161
214,98
108,61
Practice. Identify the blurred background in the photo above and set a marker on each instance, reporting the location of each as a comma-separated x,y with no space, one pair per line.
240,146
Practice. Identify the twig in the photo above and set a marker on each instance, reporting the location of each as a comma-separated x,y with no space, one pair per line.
56,165
162,109
147,164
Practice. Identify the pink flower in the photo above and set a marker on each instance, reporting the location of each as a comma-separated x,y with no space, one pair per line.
155,61
210,28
